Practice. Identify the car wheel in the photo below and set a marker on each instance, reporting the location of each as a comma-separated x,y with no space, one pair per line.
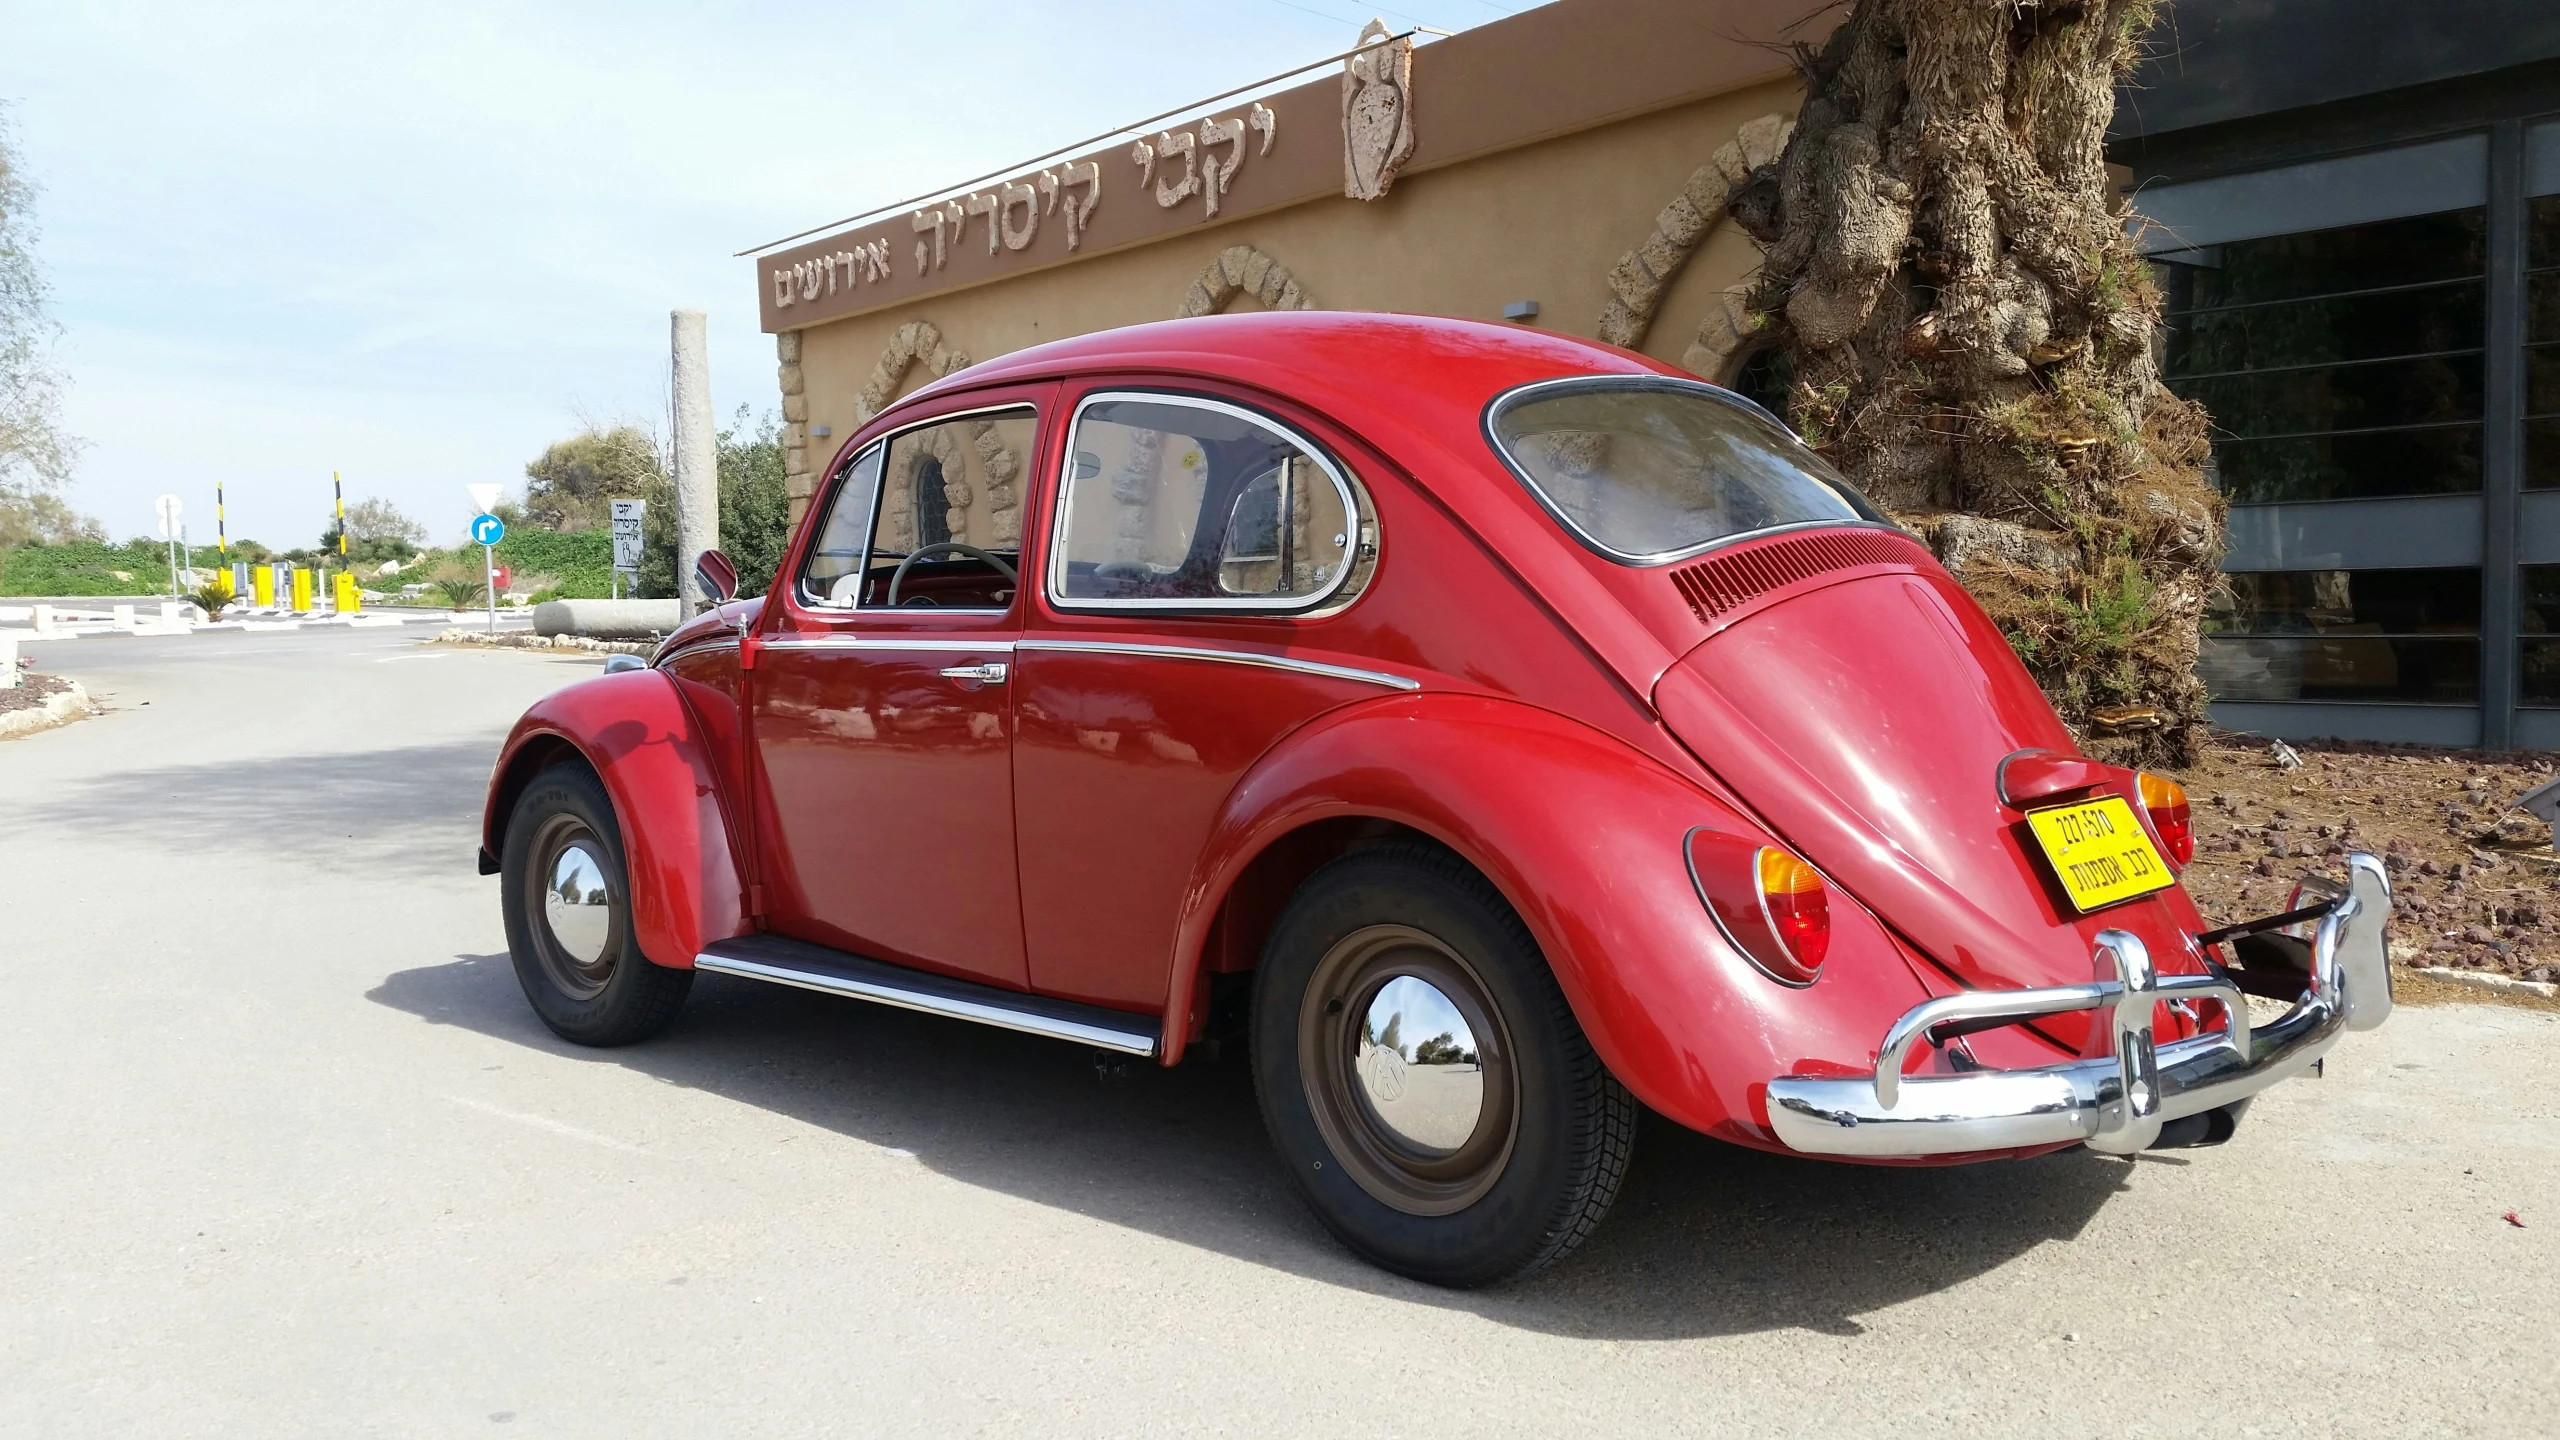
568,911
1424,1079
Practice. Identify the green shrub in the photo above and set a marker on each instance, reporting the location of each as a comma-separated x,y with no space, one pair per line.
86,567
580,562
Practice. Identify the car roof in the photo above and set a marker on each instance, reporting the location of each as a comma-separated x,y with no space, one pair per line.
1399,381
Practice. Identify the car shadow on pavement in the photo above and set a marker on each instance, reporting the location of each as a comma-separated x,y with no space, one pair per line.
1706,1239
396,806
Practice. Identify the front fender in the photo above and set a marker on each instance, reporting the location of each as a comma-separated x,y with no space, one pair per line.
1584,835
640,738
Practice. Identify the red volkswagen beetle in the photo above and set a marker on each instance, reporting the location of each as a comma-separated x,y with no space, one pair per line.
1494,729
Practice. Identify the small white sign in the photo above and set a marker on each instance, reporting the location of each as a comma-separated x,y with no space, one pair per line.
628,516
484,498
168,509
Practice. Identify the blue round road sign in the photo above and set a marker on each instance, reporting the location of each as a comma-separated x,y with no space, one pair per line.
486,530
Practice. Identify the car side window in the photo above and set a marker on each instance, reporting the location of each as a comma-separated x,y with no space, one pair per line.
1177,502
929,519
838,554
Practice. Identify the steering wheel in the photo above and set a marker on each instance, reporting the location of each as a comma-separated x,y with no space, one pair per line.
898,576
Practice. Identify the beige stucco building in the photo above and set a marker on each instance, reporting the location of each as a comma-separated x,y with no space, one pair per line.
1566,167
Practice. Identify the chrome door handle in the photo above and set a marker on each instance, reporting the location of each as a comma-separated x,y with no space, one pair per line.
992,673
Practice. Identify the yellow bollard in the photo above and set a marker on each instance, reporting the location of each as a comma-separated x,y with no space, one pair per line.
349,602
301,591
262,586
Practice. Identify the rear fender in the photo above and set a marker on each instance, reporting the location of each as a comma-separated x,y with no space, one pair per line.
1585,836
639,737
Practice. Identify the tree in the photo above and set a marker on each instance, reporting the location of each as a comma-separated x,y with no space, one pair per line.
35,453
755,513
375,518
571,486
30,516
376,531
1967,332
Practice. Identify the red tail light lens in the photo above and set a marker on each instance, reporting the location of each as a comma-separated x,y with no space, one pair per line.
1773,906
2167,802
1798,905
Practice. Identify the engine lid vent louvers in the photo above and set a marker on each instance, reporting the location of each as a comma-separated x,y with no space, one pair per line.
1720,582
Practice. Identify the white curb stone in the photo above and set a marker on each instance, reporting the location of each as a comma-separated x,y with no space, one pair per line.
2495,984
72,704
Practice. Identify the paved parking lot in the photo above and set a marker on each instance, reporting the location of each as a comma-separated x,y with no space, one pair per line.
285,1153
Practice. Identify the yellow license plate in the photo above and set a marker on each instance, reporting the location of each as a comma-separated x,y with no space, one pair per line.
2100,851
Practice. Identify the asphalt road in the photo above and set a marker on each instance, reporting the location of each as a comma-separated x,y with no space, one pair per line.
284,1153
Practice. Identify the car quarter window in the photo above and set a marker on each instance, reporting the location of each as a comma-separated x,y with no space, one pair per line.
929,518
1183,503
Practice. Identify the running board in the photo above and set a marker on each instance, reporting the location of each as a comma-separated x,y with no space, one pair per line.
834,972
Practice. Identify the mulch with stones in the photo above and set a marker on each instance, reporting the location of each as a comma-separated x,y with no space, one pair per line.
2475,881
31,691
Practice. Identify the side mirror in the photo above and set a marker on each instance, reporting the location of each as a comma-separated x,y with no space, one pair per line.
1088,464
716,576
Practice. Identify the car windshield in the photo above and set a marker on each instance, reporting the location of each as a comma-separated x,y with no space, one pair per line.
1646,471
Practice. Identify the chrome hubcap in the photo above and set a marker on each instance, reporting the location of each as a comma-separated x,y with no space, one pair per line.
576,904
1418,1069
1408,1070
577,913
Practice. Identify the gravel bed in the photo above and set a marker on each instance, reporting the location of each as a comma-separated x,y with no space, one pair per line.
31,691
2475,882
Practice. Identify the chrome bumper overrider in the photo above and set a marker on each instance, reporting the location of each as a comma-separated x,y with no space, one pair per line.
2117,1103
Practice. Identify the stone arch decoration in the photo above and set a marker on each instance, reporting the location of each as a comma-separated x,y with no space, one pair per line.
1243,270
919,342
1637,281
1727,337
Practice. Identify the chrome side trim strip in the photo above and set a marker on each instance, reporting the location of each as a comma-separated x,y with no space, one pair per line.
1124,1042
1226,657
880,642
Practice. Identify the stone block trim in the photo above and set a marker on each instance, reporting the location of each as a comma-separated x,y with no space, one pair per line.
1637,281
1243,270
1725,336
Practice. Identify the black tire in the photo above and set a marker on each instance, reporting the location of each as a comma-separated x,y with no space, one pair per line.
1552,1131
612,995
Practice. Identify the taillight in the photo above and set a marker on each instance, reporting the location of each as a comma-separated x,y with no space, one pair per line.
1799,909
1773,906
2167,802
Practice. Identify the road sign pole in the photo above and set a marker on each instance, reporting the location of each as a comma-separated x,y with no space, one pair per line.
489,582
338,491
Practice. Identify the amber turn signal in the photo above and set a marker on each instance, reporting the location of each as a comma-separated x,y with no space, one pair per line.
2167,802
1799,909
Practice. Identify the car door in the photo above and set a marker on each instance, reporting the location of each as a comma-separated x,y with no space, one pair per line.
1200,551
882,710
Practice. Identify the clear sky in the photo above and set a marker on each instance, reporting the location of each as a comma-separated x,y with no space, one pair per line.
416,243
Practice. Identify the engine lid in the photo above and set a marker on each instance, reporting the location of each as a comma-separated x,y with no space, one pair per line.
1867,721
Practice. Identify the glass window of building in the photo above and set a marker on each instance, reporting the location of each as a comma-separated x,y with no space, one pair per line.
2540,641
2387,635
2542,347
2337,364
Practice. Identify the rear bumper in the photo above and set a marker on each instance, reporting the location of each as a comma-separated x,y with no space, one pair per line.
2117,1103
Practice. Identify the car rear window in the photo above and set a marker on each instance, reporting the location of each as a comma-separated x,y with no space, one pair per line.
1645,470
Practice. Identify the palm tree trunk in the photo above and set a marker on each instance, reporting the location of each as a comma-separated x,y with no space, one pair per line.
1969,336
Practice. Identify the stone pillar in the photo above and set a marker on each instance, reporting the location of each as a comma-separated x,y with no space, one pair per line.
697,459
797,482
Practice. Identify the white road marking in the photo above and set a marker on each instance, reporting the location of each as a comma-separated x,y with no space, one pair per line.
539,1122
